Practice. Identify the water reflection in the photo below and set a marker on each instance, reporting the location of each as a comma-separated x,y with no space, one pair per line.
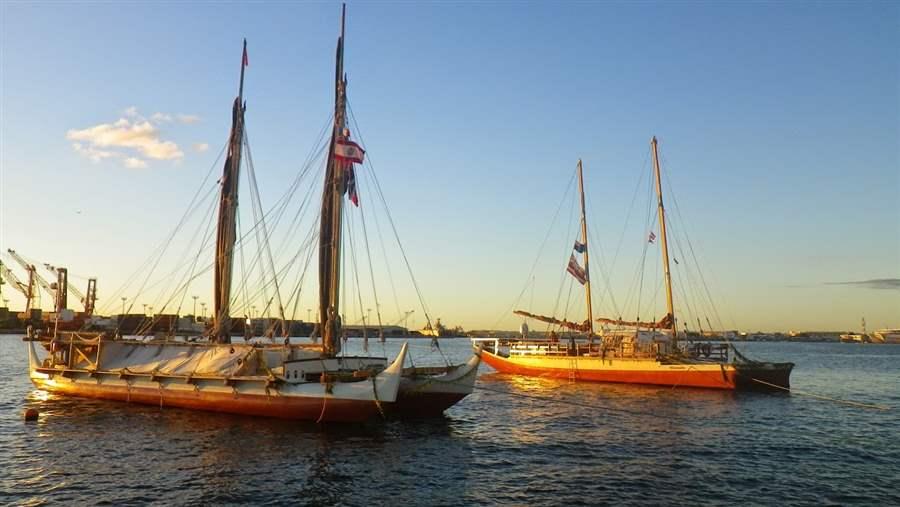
516,440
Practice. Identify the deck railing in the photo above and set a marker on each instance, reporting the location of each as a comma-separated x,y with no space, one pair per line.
609,348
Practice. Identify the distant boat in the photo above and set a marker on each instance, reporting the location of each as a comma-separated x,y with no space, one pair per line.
650,353
887,335
853,338
437,330
856,337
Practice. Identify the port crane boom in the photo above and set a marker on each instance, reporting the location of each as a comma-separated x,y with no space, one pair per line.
89,301
26,289
52,289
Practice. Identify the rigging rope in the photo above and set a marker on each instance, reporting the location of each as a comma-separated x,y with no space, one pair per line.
567,249
160,250
693,254
569,187
362,216
390,218
257,212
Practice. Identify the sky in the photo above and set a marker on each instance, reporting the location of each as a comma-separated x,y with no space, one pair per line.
779,130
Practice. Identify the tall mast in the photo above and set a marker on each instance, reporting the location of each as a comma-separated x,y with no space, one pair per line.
331,221
227,226
670,307
587,271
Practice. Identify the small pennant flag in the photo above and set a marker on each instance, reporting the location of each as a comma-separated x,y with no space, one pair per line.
351,186
651,238
245,61
576,270
579,247
348,151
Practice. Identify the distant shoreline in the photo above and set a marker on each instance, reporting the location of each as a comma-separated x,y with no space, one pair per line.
823,338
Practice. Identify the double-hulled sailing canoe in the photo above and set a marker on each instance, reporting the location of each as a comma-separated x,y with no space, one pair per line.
231,378
648,353
297,381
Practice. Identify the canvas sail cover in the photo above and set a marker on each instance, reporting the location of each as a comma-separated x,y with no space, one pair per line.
666,322
232,360
575,326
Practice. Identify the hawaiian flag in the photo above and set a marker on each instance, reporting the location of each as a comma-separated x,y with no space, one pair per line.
576,270
579,247
651,238
348,151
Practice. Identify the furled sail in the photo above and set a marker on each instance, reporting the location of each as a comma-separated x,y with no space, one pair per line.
227,227
575,326
331,216
666,322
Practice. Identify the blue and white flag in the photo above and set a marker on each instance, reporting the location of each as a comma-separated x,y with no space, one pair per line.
579,247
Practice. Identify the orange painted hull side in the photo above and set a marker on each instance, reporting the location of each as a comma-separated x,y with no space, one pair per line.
721,379
309,409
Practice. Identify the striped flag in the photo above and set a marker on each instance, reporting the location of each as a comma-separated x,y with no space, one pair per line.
576,270
348,151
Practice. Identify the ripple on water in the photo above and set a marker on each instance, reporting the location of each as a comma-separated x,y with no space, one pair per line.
579,444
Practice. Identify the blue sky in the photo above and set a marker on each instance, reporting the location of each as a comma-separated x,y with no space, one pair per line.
778,125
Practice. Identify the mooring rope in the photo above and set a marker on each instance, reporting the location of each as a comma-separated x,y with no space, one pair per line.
826,398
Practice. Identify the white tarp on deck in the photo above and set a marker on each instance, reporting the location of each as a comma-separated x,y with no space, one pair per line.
179,359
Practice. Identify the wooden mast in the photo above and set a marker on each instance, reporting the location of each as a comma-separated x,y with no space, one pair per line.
227,226
587,271
670,307
332,209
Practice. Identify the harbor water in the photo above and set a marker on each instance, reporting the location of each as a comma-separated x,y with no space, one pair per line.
514,441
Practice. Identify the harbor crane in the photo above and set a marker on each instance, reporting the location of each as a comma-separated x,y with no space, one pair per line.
402,319
56,290
89,299
26,289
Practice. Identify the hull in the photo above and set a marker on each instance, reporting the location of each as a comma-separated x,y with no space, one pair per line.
426,394
241,403
256,396
752,376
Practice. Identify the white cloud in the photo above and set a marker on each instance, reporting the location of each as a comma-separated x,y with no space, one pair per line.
135,163
139,135
93,154
161,117
188,119
131,111
200,147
